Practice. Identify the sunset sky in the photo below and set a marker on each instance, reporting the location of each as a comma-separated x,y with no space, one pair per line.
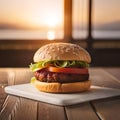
105,11
49,13
32,12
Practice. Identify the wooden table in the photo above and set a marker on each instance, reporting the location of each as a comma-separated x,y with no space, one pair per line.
18,108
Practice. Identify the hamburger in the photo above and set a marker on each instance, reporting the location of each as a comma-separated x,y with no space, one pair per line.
61,68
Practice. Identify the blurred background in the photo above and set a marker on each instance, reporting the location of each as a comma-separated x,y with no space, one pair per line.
26,25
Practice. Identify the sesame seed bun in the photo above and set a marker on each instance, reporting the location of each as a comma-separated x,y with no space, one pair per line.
62,51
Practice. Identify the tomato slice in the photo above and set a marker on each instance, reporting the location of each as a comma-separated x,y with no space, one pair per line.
68,70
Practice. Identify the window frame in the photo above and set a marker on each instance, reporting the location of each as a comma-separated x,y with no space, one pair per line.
89,42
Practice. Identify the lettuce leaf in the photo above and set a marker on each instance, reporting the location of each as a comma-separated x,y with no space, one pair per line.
58,63
32,80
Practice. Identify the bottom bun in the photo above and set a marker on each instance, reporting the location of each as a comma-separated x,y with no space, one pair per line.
62,87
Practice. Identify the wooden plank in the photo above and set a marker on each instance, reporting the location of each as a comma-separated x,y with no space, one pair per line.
2,96
81,112
108,109
16,108
9,76
101,78
51,112
3,83
16,75
26,110
9,108
6,78
115,72
23,75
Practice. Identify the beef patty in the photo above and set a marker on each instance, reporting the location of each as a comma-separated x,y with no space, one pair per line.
46,76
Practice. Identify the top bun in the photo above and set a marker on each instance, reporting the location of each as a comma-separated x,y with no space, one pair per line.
61,51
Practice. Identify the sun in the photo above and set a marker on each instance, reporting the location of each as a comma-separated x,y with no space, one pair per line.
51,35
52,21
45,21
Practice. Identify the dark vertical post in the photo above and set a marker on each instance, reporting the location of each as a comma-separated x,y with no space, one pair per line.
90,40
68,20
